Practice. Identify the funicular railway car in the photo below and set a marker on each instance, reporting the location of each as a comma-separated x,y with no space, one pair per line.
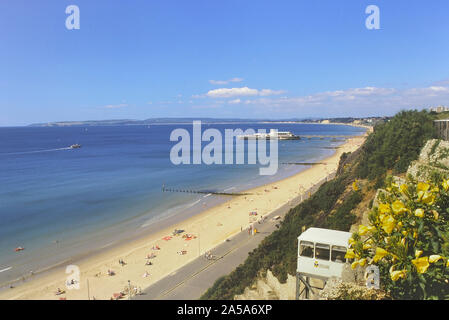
321,255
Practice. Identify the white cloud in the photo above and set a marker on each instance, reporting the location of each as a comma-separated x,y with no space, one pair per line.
222,82
358,100
269,92
444,82
241,92
116,106
363,101
232,92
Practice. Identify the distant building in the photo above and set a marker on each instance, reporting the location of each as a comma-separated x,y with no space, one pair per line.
442,127
439,109
325,121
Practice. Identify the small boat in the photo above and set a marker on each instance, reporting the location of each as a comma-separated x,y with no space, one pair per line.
19,249
75,146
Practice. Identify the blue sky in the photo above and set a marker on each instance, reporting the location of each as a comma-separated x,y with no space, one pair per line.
229,58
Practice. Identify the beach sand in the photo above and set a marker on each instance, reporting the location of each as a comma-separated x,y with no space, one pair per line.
210,227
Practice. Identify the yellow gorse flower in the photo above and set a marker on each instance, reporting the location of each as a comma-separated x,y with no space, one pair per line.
367,246
354,186
445,184
380,253
362,262
388,224
398,207
426,197
421,264
435,214
403,188
384,208
418,253
434,258
363,230
419,213
350,254
422,186
396,275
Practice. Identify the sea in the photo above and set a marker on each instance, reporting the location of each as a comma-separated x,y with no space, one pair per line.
60,203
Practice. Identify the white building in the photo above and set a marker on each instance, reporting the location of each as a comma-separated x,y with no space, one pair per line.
439,109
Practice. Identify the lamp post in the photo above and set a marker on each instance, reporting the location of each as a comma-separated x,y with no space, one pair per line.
301,190
199,245
88,292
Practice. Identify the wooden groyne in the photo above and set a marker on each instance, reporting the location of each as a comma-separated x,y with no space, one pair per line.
304,163
323,136
165,189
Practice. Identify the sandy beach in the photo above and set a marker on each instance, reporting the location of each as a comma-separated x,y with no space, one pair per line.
168,252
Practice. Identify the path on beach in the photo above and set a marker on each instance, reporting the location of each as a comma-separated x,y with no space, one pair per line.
193,279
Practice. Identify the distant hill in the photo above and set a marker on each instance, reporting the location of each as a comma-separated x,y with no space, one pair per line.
130,122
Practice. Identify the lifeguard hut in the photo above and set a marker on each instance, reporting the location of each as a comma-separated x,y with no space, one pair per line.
321,255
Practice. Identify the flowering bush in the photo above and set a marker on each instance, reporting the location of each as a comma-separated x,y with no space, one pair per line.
408,238
339,290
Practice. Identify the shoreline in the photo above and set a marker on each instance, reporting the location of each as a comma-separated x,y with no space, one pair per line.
211,227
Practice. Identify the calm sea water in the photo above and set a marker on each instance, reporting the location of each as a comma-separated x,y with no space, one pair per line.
58,202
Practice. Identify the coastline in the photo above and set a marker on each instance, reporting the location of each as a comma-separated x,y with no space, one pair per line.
211,226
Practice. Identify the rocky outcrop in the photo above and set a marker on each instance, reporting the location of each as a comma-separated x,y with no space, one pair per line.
269,288
433,160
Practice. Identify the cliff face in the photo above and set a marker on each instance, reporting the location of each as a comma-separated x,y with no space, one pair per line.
433,161
269,288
